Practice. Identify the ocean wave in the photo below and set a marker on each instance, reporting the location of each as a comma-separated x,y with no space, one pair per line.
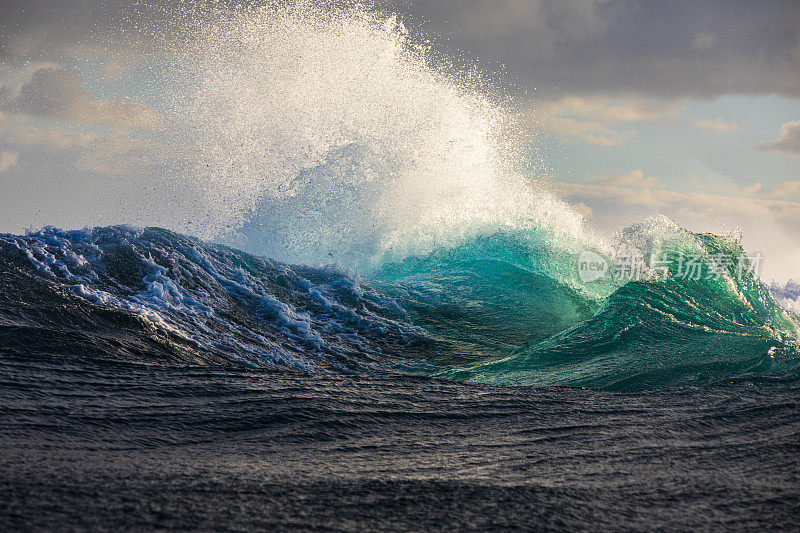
664,329
507,308
217,302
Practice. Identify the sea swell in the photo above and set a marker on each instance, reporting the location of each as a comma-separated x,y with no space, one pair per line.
208,302
507,308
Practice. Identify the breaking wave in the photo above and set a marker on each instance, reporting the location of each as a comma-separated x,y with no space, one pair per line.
323,136
503,308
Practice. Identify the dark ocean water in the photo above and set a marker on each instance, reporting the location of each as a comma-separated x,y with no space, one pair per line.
151,381
111,446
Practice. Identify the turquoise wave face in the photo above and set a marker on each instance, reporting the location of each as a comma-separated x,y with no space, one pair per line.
649,335
489,296
511,310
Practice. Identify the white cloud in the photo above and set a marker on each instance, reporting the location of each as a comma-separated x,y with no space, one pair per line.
788,190
632,189
8,159
596,120
633,179
62,146
717,124
788,140
584,210
622,195
58,92
22,134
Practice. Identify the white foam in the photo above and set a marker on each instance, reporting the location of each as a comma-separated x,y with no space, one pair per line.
325,134
787,295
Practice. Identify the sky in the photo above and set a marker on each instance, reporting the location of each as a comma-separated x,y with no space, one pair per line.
629,108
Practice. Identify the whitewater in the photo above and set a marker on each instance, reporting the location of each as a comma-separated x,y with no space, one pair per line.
366,310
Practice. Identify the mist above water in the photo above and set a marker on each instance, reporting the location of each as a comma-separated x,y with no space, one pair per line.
326,134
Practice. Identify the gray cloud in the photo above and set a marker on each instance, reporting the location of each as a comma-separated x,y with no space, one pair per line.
42,30
7,160
666,49
609,47
788,140
37,29
58,92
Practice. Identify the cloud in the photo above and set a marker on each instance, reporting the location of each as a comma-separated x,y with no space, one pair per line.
752,190
8,159
634,179
37,30
620,195
633,190
717,124
66,149
595,120
24,135
610,47
621,47
788,140
58,92
703,40
584,210
787,190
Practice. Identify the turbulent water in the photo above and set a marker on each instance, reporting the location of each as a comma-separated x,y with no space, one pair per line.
501,308
152,380
452,367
